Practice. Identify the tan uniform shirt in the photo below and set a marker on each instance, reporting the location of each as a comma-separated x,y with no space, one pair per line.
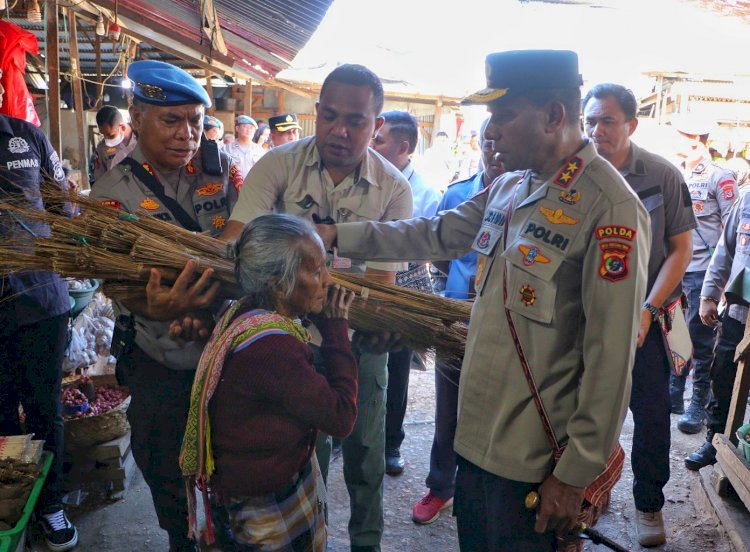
291,179
575,259
204,198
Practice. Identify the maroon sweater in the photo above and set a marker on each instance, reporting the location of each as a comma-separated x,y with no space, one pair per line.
270,403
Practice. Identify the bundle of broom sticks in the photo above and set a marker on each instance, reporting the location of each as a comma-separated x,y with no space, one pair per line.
121,248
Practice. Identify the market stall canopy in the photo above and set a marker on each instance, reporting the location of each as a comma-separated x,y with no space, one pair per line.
245,40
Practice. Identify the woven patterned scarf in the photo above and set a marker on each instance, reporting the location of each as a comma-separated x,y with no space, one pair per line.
229,336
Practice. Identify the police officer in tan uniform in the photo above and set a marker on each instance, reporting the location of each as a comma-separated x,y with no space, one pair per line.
164,177
713,190
563,251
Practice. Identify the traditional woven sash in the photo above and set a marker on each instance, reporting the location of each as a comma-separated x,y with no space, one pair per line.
229,336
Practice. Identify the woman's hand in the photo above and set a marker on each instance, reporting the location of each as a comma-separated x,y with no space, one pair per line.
339,301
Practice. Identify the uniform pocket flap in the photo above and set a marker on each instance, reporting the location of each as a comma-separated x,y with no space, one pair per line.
530,296
355,208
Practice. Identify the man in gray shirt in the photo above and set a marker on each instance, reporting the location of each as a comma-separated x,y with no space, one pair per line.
609,114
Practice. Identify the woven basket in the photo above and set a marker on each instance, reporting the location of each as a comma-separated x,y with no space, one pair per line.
89,431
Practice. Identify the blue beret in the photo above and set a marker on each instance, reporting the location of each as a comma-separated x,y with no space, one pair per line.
245,120
514,72
211,122
159,83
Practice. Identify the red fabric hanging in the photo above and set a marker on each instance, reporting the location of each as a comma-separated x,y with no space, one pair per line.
14,43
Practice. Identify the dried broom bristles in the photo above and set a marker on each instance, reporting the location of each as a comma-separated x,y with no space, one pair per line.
122,248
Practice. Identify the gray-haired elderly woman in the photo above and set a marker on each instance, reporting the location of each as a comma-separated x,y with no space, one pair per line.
258,403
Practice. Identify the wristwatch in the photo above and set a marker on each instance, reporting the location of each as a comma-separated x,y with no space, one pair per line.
652,309
707,298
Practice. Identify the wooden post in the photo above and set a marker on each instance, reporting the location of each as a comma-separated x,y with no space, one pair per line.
248,101
659,86
210,91
53,70
436,120
80,109
280,108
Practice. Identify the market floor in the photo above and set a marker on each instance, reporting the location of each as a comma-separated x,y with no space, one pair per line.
129,525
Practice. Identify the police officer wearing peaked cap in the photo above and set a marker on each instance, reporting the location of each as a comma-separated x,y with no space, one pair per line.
284,128
563,246
165,177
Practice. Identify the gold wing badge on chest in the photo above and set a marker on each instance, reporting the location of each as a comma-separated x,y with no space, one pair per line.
557,216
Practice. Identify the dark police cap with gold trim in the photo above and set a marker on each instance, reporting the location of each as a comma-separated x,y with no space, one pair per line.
284,122
159,83
514,72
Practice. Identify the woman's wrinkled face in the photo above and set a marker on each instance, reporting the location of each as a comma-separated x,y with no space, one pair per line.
313,280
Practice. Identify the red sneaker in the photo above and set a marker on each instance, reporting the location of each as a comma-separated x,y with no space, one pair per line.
428,509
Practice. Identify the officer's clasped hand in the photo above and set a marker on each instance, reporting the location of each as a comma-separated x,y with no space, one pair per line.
184,296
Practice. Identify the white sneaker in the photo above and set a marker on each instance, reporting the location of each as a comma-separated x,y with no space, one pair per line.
59,533
650,528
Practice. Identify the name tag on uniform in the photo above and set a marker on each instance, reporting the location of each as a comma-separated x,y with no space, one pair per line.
340,262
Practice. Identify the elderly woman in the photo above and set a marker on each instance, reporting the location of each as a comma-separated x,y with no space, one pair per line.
257,401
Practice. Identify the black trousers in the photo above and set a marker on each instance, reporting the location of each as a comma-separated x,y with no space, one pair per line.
723,372
650,405
30,374
491,515
399,365
160,400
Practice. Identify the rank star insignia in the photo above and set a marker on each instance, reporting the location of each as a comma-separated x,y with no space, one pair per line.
569,171
557,216
531,255
150,170
528,295
218,221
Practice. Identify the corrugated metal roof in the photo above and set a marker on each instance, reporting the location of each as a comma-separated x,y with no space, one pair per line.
262,36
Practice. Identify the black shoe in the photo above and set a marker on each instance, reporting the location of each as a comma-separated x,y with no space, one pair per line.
692,421
394,465
59,533
704,456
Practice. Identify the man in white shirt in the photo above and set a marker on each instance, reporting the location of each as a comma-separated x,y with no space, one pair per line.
243,151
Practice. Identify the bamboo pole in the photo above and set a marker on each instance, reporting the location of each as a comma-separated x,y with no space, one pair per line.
53,69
